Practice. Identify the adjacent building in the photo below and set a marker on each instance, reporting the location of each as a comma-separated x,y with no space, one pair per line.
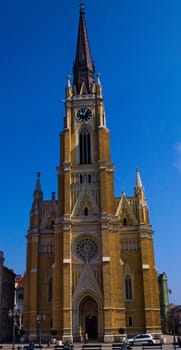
90,258
174,320
164,301
7,287
19,301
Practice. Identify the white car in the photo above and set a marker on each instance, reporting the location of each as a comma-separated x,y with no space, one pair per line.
141,339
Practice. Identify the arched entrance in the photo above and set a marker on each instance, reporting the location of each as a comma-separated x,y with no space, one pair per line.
89,317
91,326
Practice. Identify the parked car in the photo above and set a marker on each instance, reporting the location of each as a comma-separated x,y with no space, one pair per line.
141,339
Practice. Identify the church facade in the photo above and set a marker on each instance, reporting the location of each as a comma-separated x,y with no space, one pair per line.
90,258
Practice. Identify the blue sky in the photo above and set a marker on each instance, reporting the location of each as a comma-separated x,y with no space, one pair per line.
136,46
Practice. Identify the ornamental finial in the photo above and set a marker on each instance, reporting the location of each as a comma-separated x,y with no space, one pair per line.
82,7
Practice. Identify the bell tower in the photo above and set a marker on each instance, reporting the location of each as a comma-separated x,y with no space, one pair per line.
86,205
90,256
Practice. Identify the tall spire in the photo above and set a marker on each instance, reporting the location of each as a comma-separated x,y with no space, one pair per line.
83,69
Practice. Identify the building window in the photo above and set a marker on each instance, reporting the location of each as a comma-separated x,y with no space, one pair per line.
130,321
20,296
84,147
128,288
86,249
85,211
125,222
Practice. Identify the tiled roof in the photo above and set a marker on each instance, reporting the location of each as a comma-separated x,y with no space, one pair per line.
19,282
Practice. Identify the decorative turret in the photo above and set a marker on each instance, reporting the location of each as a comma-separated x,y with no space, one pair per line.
139,189
68,87
99,86
38,194
141,200
83,69
35,213
138,180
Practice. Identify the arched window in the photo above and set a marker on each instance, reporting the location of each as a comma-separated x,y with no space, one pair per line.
128,288
85,211
84,147
125,222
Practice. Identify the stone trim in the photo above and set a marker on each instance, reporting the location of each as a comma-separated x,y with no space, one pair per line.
106,259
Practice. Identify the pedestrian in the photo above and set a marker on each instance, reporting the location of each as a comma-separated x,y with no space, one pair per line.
125,344
179,342
31,346
86,338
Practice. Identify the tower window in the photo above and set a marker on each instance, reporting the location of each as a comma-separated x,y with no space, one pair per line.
84,147
128,288
125,222
85,211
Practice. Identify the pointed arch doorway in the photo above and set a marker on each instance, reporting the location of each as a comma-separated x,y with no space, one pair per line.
89,317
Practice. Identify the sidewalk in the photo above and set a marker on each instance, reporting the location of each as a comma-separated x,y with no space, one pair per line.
168,344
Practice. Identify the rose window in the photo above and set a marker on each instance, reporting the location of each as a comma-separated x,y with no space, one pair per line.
86,248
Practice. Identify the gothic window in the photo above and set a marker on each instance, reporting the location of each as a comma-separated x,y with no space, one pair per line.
125,222
86,212
128,288
84,147
89,178
86,248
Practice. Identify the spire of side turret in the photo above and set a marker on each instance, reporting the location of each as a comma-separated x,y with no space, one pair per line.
142,207
138,179
38,194
139,189
83,69
36,210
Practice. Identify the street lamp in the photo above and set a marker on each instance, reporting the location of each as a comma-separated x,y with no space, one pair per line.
173,328
40,318
14,315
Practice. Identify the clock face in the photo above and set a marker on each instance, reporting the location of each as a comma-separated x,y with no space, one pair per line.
84,114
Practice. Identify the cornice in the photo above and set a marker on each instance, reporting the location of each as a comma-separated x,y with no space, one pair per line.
145,231
82,101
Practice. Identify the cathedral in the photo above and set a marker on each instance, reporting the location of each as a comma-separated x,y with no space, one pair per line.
90,264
